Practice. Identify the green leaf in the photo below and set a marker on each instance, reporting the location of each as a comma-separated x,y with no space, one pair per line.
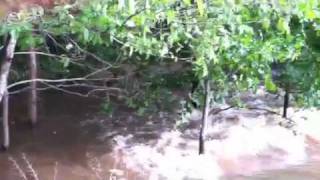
141,111
85,34
187,2
108,108
66,61
269,83
201,67
238,1
266,23
311,14
283,2
201,7
171,15
132,6
283,25
14,33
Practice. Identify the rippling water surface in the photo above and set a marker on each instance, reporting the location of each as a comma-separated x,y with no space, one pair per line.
61,148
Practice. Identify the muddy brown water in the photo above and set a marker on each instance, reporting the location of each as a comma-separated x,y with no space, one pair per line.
308,171
61,148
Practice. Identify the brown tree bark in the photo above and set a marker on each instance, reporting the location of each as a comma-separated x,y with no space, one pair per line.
204,120
285,103
33,91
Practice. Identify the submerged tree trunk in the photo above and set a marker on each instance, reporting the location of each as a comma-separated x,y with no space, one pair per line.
285,103
7,57
204,120
33,91
5,120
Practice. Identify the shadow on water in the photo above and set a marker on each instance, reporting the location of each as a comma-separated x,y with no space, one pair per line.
58,140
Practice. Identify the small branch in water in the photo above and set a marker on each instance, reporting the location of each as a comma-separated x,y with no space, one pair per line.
264,109
18,168
30,167
217,111
272,112
55,173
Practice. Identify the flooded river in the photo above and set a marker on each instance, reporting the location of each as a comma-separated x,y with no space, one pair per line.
309,171
61,147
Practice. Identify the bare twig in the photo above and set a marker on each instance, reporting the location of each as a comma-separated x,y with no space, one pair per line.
131,16
102,90
65,91
264,109
83,94
271,112
97,71
217,111
21,172
74,83
20,90
54,40
50,55
37,53
97,58
44,80
59,80
95,166
55,172
30,167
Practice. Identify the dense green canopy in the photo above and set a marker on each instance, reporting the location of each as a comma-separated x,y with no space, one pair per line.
233,43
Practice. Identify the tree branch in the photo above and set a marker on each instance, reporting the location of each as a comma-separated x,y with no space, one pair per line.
44,80
131,16
48,55
97,58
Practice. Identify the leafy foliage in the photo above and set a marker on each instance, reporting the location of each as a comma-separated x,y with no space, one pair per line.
233,43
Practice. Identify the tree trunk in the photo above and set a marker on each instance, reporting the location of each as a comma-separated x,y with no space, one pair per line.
8,53
33,84
286,103
5,120
6,63
204,120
